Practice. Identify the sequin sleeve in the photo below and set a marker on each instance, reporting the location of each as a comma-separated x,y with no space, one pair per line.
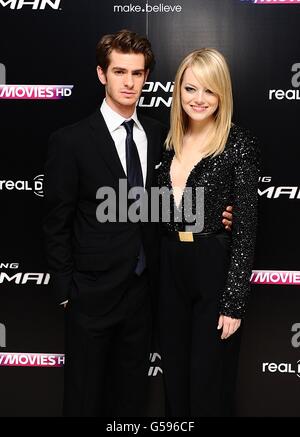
245,197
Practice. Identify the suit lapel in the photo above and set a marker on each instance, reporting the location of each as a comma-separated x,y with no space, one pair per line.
108,150
107,146
150,151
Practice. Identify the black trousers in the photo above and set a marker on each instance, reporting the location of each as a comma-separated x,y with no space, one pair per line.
199,368
107,356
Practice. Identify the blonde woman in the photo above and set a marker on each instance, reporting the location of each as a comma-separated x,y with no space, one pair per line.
205,275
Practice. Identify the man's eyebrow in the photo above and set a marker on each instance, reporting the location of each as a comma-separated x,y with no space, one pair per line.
139,70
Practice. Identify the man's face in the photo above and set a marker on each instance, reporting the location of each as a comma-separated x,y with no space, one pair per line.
123,80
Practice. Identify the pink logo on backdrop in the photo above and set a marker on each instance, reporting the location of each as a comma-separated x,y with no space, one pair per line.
273,2
277,2
35,92
275,277
13,359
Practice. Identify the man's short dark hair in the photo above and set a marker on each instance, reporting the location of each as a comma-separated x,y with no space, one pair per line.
124,41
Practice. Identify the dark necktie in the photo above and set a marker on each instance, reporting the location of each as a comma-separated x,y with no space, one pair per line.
135,178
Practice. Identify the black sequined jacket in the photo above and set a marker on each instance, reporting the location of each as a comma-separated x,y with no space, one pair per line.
230,178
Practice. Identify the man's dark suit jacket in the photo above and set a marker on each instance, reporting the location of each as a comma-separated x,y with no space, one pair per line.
81,159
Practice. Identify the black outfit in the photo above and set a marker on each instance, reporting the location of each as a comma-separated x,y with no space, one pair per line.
202,279
93,265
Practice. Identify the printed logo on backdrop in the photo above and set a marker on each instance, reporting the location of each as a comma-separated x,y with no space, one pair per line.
155,363
294,92
31,92
2,335
288,368
148,8
34,4
29,359
295,340
275,277
156,94
276,192
21,278
35,185
2,74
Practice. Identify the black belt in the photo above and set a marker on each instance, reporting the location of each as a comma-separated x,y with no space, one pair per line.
189,237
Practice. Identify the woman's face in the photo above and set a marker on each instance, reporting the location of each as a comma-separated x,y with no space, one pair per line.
198,102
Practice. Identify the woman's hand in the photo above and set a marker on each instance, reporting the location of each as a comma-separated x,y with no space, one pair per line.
227,218
229,326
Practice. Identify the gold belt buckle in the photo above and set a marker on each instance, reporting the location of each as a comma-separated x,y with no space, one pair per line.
186,237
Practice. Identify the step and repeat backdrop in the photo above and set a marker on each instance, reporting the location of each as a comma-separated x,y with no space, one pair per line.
48,80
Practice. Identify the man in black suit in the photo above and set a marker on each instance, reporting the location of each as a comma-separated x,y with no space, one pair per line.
102,271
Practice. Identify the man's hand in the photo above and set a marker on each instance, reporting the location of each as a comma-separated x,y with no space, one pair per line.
229,326
227,218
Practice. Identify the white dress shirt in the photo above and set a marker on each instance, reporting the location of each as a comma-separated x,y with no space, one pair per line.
114,122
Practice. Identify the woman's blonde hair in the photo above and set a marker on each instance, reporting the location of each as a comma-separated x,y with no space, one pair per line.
211,70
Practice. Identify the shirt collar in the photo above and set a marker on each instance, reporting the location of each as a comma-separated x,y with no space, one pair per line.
114,120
